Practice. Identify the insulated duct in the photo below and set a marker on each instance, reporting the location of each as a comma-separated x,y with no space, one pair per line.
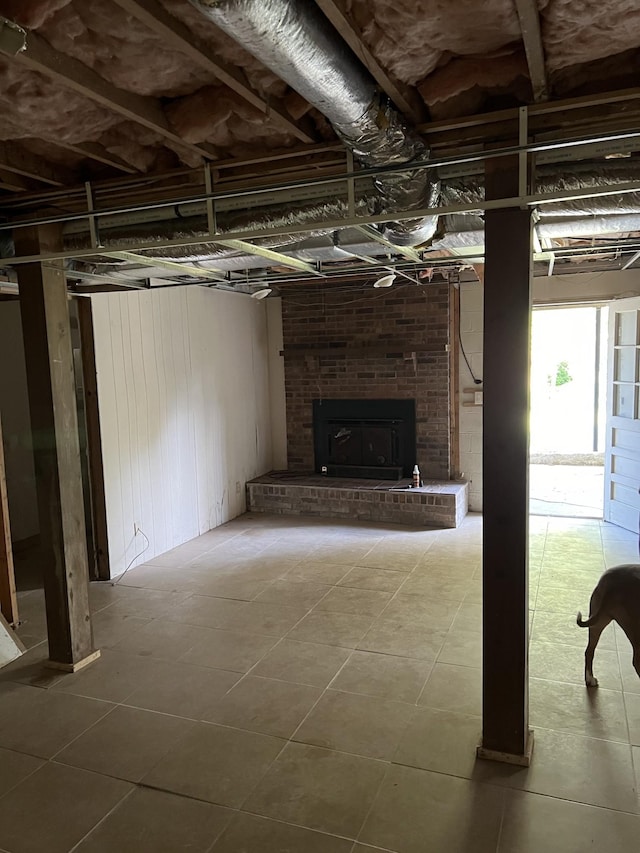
294,40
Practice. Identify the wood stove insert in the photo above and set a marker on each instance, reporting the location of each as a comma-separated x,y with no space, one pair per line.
364,438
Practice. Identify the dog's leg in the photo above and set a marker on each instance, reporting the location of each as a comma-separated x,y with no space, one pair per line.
594,636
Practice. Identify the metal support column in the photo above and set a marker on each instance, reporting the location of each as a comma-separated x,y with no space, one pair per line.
507,332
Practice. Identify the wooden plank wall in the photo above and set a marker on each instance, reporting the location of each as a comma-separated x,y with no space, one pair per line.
183,386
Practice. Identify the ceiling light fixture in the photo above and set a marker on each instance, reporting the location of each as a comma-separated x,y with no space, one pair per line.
260,294
385,281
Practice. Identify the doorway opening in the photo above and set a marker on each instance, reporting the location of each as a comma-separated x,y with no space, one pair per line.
568,411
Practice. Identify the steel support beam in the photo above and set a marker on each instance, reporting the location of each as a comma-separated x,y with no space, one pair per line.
507,331
54,427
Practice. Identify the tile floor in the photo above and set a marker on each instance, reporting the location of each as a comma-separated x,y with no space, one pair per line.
282,685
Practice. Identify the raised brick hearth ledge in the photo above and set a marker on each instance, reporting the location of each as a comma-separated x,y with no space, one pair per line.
436,504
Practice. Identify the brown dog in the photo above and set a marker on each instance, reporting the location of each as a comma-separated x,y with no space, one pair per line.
617,596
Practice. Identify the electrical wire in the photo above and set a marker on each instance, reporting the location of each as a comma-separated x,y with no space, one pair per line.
475,379
137,556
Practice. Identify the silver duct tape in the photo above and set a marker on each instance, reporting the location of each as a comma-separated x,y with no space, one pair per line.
296,41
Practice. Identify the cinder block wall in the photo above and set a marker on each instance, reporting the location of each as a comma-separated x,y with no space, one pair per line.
376,344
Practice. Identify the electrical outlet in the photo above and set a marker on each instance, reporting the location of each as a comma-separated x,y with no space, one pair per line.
238,487
136,527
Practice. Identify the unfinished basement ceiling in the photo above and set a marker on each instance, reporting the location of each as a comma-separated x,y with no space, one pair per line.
155,88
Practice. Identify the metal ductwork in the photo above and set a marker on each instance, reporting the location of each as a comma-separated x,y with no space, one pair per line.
295,41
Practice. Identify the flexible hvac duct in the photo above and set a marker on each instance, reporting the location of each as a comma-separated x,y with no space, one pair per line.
295,41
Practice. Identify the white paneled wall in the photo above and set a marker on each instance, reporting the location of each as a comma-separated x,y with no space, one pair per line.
185,413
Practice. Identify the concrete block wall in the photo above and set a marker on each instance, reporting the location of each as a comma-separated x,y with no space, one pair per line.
375,345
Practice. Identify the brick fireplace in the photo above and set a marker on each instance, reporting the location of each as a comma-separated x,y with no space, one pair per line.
369,345
346,352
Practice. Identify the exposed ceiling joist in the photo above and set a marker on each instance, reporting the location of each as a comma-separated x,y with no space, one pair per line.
532,38
14,183
406,99
16,159
94,151
40,56
175,33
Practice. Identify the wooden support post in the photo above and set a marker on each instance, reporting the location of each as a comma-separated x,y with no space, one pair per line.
8,598
54,426
507,330
94,441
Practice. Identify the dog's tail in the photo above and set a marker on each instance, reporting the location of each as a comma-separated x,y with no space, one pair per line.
588,622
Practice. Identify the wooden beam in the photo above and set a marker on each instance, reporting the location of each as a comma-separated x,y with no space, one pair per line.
54,425
40,56
8,597
530,25
507,319
14,183
94,151
16,159
179,36
406,99
94,440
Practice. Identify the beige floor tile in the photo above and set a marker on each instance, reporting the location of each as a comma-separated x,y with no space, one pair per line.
332,629
206,611
231,650
344,553
439,587
571,767
468,618
632,706
555,662
361,725
251,834
232,586
110,626
454,688
150,576
573,708
551,627
294,593
55,807
416,808
319,789
435,613
443,741
14,768
630,680
264,705
272,620
390,557
303,663
216,764
558,600
41,722
182,689
114,676
362,577
533,823
149,821
146,603
126,743
386,676
361,602
318,572
462,648
395,636
164,640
